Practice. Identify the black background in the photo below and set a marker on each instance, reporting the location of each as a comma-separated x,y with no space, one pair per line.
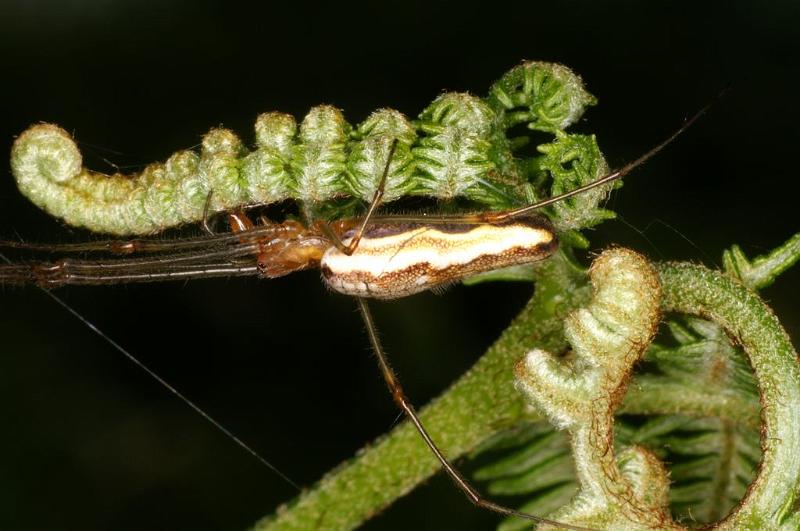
90,442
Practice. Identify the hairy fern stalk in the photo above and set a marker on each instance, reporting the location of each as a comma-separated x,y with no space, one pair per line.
704,433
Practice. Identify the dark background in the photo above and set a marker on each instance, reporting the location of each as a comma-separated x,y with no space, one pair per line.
88,441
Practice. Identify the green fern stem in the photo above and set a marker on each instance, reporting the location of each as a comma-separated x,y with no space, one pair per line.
770,500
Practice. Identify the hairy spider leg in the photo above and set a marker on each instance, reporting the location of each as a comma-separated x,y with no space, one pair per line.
493,217
351,247
206,210
401,399
373,205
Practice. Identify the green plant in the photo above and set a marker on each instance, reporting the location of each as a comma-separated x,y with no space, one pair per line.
565,361
696,406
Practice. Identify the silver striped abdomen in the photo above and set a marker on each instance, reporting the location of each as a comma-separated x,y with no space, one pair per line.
395,260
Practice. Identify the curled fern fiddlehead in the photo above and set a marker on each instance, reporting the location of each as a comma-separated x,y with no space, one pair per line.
458,147
629,489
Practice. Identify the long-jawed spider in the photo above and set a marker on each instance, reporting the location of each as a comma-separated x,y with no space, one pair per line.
372,256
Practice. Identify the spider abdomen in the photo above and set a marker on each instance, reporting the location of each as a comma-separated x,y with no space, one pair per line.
395,260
